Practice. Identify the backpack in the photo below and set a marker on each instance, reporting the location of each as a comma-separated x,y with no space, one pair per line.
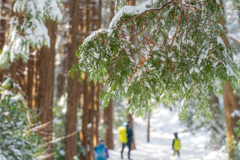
177,144
99,152
122,134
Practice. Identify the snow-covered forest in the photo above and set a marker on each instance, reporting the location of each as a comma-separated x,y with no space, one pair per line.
75,74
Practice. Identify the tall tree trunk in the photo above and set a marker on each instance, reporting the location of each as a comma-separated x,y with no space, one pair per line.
62,78
90,111
130,118
231,102
148,128
108,122
84,135
85,118
5,14
96,116
108,112
46,87
30,80
73,85
132,3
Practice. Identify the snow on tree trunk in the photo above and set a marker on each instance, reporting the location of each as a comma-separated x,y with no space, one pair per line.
46,87
74,85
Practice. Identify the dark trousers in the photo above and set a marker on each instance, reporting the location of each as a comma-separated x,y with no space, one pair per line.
129,144
176,152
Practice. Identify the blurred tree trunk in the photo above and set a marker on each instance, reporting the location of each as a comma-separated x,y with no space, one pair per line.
216,112
61,79
96,115
5,15
231,102
17,71
73,85
130,118
148,128
108,112
85,118
132,3
46,87
92,22
108,122
31,65
84,135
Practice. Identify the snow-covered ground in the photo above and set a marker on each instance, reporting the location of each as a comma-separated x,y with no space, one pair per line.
163,124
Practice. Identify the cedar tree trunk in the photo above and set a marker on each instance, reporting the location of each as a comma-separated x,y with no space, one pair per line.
46,87
73,86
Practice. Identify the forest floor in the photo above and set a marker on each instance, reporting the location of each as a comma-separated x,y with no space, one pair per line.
163,124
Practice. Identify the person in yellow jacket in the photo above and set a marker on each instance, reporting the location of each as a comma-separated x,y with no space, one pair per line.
176,145
125,134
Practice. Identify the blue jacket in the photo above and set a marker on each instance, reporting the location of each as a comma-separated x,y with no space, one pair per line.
129,133
103,148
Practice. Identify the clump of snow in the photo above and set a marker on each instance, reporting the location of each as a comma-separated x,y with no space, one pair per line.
130,10
235,113
32,31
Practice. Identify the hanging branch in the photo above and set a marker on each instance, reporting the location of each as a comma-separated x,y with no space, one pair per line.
180,57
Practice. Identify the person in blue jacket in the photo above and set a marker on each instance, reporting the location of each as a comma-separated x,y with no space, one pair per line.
129,140
101,151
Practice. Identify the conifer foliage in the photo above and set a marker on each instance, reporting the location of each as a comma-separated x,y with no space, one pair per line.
17,142
178,53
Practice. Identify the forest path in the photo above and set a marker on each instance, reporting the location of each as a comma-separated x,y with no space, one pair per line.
163,124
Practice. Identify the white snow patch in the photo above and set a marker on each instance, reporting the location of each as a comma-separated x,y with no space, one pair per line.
235,113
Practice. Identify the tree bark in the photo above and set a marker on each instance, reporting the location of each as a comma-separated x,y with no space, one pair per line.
148,129
90,111
61,85
96,116
46,87
30,80
132,3
108,122
108,112
130,118
85,118
73,86
5,15
231,102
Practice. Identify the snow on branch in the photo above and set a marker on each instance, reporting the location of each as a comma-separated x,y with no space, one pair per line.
27,28
161,51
